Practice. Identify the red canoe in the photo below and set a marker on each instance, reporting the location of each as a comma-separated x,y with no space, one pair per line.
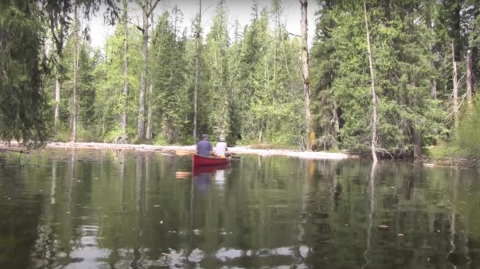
200,160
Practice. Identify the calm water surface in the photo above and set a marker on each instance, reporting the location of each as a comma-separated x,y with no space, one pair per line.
107,209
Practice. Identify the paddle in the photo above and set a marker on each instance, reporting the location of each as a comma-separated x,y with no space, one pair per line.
233,156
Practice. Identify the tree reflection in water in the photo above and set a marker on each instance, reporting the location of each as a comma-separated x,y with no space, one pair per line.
126,210
371,196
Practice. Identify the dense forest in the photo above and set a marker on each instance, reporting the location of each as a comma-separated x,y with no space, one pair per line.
156,82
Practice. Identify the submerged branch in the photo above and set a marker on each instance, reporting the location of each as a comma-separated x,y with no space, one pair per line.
385,151
13,150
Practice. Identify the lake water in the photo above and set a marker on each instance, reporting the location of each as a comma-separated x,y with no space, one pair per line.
107,209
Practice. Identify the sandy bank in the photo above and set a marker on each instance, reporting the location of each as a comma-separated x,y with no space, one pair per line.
183,150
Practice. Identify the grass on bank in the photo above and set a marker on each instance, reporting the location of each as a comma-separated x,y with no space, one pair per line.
465,142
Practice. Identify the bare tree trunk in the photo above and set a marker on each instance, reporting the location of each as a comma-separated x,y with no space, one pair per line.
306,77
149,134
57,102
455,88
417,144
433,90
337,123
260,135
75,71
105,97
104,112
147,8
197,70
143,80
416,135
469,80
149,113
125,67
58,38
429,23
374,95
195,99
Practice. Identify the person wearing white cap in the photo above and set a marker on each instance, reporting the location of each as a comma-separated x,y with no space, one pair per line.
221,148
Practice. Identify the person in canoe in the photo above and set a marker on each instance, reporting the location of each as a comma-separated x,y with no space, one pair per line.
221,149
204,147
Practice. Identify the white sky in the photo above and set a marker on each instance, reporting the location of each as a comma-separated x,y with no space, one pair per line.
240,10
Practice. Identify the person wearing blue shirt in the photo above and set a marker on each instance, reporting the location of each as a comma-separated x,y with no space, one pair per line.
204,147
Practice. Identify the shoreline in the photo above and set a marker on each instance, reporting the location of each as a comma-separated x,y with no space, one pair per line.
237,150
185,150
454,163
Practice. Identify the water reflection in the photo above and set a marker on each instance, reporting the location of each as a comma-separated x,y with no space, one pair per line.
371,196
204,176
220,177
93,209
202,183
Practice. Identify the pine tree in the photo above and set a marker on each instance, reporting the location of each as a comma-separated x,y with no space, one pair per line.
218,101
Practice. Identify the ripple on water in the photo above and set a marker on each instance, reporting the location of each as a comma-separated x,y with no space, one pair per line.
261,212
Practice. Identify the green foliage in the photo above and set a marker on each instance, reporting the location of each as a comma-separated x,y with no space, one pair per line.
62,134
270,98
442,151
466,139
89,135
112,134
169,67
272,146
108,79
23,102
404,71
25,66
137,141
250,81
160,140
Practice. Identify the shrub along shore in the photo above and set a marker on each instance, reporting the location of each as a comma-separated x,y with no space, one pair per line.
191,149
185,150
442,155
